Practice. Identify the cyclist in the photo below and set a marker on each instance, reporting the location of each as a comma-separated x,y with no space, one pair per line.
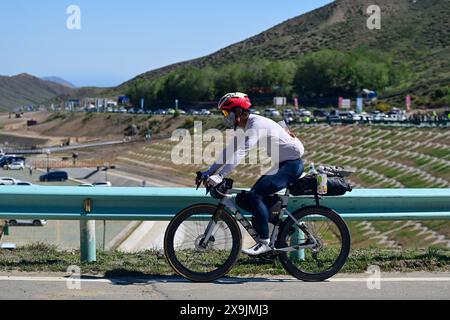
289,165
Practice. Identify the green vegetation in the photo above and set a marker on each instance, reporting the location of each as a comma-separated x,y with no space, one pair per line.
44,258
87,117
325,53
325,73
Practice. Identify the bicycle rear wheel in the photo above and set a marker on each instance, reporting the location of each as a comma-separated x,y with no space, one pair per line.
186,255
330,252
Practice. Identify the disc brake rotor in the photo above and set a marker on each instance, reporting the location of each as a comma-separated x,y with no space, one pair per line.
200,247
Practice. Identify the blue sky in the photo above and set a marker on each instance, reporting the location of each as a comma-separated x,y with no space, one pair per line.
120,39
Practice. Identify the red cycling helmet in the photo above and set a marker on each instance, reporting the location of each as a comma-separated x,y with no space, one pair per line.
234,100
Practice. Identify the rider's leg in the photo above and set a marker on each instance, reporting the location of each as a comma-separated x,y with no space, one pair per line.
288,172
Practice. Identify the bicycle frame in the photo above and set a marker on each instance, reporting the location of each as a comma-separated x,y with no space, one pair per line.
227,204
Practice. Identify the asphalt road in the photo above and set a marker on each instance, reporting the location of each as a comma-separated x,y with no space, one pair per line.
392,286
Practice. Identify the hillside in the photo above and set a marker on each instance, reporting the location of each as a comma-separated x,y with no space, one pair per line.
416,34
25,89
60,81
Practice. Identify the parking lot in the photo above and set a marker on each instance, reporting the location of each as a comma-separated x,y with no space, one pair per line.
291,115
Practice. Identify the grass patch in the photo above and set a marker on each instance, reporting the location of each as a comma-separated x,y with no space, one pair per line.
45,258
88,117
438,153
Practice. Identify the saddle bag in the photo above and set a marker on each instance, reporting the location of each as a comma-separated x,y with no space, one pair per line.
336,185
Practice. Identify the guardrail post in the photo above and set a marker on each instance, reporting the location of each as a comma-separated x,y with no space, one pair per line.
87,241
297,238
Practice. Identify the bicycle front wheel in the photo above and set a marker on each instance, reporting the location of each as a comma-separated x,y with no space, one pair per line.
329,245
189,256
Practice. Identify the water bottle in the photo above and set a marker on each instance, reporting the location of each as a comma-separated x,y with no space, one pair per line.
322,184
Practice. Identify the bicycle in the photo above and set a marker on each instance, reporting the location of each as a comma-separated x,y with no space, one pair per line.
202,243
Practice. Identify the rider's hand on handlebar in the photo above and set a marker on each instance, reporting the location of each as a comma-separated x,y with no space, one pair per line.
201,178
214,180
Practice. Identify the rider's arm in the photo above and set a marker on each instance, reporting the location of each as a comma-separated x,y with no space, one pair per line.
216,166
235,152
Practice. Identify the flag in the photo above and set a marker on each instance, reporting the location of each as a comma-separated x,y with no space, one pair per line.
359,105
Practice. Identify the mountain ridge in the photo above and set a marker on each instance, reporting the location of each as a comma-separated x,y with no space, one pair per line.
25,89
59,80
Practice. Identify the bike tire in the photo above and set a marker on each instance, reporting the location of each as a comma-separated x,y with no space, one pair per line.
178,266
343,255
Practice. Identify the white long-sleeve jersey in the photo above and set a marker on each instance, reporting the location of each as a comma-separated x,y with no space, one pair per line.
269,134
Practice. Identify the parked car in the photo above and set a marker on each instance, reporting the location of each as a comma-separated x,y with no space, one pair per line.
21,222
160,112
288,113
254,111
18,165
352,115
320,114
86,185
334,116
365,116
304,113
205,112
193,112
54,176
395,116
7,181
4,161
377,116
24,183
102,184
271,112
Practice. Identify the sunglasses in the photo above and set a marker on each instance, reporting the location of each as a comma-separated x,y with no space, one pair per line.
225,113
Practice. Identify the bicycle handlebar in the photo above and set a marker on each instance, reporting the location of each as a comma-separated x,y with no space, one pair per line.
220,189
202,179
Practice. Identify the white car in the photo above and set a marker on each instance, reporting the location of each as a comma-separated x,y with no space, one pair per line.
86,185
205,112
102,184
271,112
8,181
16,166
21,222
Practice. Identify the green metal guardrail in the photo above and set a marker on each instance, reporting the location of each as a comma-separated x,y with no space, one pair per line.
145,204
